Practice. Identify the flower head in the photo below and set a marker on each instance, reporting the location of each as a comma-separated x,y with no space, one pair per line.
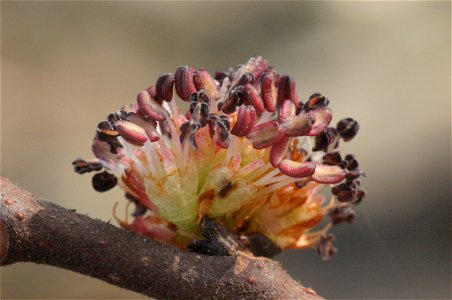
245,151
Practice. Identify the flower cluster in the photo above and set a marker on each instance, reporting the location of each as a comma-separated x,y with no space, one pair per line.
247,153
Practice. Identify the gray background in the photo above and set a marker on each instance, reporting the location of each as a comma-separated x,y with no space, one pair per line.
387,64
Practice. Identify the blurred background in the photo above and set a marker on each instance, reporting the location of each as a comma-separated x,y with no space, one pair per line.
66,65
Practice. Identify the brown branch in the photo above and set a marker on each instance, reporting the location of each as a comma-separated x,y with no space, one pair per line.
34,230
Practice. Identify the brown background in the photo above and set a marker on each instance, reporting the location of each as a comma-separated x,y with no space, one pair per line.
66,65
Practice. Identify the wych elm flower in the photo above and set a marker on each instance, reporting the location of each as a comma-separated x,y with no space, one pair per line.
247,153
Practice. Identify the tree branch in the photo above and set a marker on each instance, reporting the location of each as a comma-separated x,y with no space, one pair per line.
34,230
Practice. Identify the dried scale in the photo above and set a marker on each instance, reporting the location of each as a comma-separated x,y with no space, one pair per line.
248,154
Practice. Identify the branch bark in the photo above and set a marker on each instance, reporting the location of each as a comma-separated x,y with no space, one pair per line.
35,230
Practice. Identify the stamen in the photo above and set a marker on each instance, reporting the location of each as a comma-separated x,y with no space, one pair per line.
264,179
278,178
186,147
130,153
156,160
231,149
269,173
259,172
149,151
275,187
176,143
251,167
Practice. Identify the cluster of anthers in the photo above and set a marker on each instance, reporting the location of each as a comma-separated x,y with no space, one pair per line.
247,154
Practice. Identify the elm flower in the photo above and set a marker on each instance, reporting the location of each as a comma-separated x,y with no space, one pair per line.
240,148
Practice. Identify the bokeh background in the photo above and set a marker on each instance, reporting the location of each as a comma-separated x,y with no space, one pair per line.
65,65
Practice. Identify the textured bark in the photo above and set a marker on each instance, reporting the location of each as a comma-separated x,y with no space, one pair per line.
34,230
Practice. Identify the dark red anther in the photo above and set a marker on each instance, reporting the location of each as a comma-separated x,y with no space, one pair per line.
147,124
229,105
220,76
81,166
360,194
298,125
333,158
199,109
325,139
132,133
219,125
203,81
322,117
113,118
245,79
342,214
223,132
295,169
104,181
325,248
150,107
347,128
286,110
159,87
354,174
184,131
256,66
352,163
268,91
315,101
343,192
265,135
223,119
252,98
328,174
278,151
246,118
153,93
168,87
105,151
184,82
287,90
106,132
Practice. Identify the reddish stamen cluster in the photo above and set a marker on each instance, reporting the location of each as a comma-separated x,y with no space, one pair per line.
251,108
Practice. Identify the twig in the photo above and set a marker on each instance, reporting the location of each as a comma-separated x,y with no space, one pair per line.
34,230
